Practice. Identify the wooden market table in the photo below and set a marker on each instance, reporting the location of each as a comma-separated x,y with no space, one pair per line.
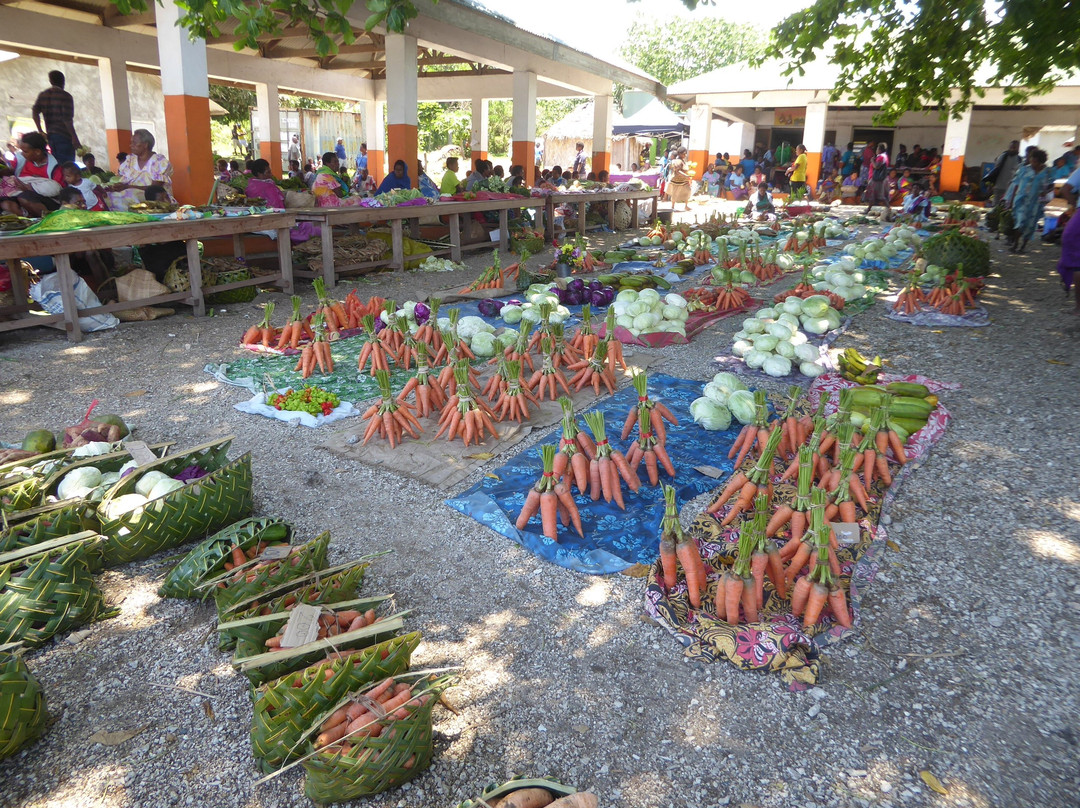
585,198
61,245
328,218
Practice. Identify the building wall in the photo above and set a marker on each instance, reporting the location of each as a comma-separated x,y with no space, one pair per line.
23,78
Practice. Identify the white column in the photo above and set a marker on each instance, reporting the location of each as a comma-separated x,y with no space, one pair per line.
116,104
952,161
183,61
478,137
269,118
814,139
374,114
523,127
603,114
401,100
700,133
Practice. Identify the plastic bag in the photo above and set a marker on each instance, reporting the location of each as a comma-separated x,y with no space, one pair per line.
47,293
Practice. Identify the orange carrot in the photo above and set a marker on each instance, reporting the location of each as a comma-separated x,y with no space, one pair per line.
814,604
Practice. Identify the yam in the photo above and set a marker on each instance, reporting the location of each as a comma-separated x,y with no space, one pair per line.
527,798
583,799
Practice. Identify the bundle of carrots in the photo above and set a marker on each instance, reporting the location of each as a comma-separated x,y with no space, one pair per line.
516,397
390,418
494,277
333,623
356,308
333,312
545,379
519,351
747,484
811,591
616,360
373,349
649,449
240,557
594,370
911,299
585,339
370,715
264,332
408,352
751,261
736,587
427,331
464,415
953,297
756,431
724,298
677,548
316,352
551,498
245,568
724,257
294,330
657,411
608,469
576,450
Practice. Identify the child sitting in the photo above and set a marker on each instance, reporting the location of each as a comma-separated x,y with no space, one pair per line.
71,198
93,198
760,205
827,188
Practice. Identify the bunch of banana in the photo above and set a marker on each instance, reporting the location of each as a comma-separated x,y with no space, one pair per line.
9,221
857,368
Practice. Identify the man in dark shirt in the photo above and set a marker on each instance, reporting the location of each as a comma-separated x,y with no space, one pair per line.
56,106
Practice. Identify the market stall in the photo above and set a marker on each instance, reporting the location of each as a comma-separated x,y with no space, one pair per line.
581,200
60,245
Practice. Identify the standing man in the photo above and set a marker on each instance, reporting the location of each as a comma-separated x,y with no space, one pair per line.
339,150
829,157
361,159
579,161
1004,168
294,155
57,107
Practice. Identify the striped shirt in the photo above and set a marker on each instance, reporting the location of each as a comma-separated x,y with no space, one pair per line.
57,109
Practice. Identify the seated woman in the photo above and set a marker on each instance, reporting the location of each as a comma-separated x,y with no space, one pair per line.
329,189
603,176
828,189
32,162
262,186
757,179
711,180
760,206
849,188
398,179
557,177
737,183
427,185
142,168
517,175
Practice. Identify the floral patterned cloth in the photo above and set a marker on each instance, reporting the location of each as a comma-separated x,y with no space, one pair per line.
614,539
331,192
156,171
778,643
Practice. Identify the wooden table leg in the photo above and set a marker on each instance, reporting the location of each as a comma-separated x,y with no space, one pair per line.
414,227
18,289
238,246
611,215
327,231
455,237
549,213
284,251
67,277
581,218
397,242
633,213
198,303
504,226
540,223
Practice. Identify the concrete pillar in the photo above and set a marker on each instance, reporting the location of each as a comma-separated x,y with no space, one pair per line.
478,137
266,98
375,136
814,140
601,133
401,100
523,127
952,161
116,104
844,136
187,107
700,133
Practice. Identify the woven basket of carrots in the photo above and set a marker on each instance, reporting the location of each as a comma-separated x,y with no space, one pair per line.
277,564
209,557
48,589
218,498
22,702
343,627
28,528
326,586
388,743
285,709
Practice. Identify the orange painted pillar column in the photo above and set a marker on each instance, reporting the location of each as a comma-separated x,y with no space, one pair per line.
952,161
117,108
700,136
601,137
402,139
523,125
814,140
375,133
186,89
269,125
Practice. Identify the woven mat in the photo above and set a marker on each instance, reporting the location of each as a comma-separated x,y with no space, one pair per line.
615,540
779,643
444,464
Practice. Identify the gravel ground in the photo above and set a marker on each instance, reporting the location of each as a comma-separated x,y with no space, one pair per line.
562,673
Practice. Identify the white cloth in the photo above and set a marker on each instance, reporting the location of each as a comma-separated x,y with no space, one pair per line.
257,406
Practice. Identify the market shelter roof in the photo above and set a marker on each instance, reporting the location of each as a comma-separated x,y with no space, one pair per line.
653,120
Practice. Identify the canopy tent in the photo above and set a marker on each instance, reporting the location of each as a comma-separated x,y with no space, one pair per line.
653,120
561,138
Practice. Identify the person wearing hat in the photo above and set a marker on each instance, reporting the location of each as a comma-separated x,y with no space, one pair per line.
339,150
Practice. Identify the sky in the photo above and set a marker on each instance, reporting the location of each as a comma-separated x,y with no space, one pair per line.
598,26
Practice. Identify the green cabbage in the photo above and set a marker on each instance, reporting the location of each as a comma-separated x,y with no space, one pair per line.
483,343
777,366
815,306
727,383
811,369
710,415
741,405
511,314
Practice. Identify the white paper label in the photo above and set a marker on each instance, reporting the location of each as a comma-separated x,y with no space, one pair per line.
140,452
276,552
847,533
303,626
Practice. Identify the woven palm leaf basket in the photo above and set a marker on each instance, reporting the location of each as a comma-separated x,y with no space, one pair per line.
285,709
202,506
20,480
38,525
262,664
22,702
393,751
209,557
48,589
247,582
325,586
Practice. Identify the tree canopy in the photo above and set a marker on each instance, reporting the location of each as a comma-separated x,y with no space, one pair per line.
934,53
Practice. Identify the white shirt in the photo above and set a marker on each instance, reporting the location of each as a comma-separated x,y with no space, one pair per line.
1074,181
86,188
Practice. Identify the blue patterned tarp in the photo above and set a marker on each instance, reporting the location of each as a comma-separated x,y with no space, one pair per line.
614,539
